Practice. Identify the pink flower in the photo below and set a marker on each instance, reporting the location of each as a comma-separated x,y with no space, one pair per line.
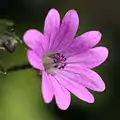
65,61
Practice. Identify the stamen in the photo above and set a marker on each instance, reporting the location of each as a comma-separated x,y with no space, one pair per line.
54,62
59,60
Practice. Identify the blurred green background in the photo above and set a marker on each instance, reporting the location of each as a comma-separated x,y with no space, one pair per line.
20,91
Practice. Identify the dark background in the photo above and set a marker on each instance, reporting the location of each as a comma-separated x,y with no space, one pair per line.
20,94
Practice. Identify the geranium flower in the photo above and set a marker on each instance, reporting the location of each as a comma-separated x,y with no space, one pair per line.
64,61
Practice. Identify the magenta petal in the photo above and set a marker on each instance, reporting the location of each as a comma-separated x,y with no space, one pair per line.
66,31
78,90
86,77
47,88
91,58
62,95
52,23
33,37
35,60
83,42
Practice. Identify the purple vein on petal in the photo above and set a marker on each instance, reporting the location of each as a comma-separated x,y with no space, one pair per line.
85,77
75,88
33,38
51,25
66,31
90,58
62,95
82,43
47,88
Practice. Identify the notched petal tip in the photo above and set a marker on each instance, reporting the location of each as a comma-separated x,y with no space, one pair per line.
104,52
98,35
72,14
64,108
29,37
91,100
28,33
94,36
53,10
102,88
72,11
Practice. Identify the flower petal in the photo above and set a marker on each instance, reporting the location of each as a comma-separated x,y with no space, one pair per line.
62,95
83,43
85,77
67,31
91,58
47,88
33,37
52,23
34,60
78,90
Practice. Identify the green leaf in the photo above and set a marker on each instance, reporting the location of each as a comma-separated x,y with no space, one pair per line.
20,97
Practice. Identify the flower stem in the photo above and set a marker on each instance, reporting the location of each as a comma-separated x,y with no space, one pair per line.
14,68
18,67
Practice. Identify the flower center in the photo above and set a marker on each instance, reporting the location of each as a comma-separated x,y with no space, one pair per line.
54,62
59,60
